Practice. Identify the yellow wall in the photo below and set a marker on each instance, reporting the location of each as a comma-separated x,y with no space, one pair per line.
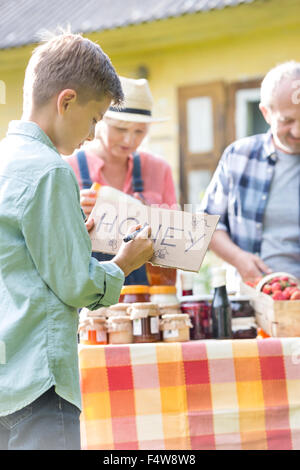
231,44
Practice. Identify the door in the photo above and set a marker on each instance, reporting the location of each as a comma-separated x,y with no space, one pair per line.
202,128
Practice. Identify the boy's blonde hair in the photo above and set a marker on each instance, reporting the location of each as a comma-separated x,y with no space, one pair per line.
70,61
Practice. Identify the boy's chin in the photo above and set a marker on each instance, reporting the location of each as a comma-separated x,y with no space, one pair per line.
67,150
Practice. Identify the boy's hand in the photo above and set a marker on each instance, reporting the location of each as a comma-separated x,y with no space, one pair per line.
89,224
87,200
132,255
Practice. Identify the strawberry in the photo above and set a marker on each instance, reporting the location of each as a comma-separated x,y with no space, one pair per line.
278,295
296,295
287,292
267,289
275,279
276,286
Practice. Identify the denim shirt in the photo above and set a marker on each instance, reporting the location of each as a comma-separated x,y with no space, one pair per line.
46,270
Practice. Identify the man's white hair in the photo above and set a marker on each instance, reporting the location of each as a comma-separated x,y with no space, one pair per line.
287,70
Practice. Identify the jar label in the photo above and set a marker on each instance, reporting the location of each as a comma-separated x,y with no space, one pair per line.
137,327
154,325
171,333
84,335
101,336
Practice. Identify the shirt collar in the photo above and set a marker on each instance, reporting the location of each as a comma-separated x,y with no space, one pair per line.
100,163
269,150
30,129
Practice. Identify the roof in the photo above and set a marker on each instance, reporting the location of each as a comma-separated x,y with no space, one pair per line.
21,21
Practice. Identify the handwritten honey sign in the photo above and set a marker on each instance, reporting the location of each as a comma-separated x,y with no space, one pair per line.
180,238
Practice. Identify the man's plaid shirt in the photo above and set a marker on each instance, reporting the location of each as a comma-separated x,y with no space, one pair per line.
239,189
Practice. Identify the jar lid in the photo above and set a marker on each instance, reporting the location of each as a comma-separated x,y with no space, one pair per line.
117,309
175,321
100,312
143,310
162,290
141,289
175,316
119,319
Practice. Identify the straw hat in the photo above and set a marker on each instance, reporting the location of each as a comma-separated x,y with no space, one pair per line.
138,102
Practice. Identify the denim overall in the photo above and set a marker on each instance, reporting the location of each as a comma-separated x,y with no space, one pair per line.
138,276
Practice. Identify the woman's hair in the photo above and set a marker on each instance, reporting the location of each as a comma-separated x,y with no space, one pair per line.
68,60
287,70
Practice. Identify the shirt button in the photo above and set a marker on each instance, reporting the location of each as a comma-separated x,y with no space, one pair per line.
258,225
270,170
264,197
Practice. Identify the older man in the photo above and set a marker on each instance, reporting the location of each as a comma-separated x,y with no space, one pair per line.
256,186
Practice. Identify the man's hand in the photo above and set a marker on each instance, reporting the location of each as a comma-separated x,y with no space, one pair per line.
250,266
88,200
132,255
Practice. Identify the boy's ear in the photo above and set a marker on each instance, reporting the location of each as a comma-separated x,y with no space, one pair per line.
64,99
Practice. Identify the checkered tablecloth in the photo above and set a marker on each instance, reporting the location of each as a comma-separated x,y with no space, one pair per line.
240,394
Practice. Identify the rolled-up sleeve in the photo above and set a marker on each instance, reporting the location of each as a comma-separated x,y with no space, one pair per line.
59,245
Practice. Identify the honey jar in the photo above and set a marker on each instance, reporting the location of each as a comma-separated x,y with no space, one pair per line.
175,327
163,294
119,329
160,276
145,318
132,293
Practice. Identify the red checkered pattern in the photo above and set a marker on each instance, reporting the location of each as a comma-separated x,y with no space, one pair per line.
240,394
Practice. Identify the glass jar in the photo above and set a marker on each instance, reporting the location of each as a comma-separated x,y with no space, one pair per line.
131,294
244,328
240,306
199,310
92,327
175,327
119,329
145,318
160,276
243,318
163,295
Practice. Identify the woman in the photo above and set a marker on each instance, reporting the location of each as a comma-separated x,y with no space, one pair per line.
112,159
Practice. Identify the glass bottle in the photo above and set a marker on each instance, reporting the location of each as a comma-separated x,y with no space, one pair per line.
221,308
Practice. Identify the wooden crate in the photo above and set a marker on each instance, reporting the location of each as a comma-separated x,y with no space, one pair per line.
279,318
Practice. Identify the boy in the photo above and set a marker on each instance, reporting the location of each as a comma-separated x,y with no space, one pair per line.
46,268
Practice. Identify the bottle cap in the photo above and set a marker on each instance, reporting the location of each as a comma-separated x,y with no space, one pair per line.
132,289
162,290
218,277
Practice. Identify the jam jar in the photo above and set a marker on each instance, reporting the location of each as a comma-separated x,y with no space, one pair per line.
92,327
145,318
199,310
132,293
175,327
119,329
243,318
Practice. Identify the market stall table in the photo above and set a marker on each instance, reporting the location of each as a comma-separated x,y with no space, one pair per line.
210,394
